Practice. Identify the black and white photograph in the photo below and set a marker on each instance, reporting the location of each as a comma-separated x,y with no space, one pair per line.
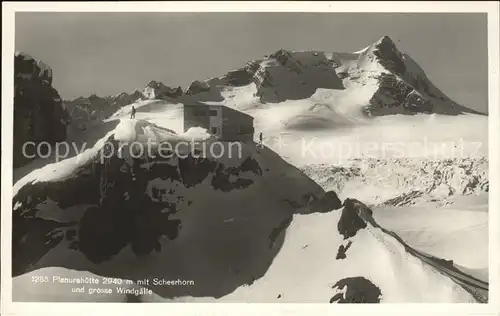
249,156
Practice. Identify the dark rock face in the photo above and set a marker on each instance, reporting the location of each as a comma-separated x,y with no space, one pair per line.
238,78
125,99
396,96
161,91
330,201
280,77
252,67
286,60
359,290
389,56
293,75
197,87
351,221
39,115
415,102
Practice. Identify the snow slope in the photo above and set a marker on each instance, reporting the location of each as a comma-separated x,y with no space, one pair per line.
456,232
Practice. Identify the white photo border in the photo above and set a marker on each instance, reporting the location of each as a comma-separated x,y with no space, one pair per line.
8,30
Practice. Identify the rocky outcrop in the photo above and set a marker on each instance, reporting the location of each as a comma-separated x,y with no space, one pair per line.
356,290
285,58
158,90
350,221
238,78
283,75
39,115
286,75
389,56
197,87
327,203
395,96
124,98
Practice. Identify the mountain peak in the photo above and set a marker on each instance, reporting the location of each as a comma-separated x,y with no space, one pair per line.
386,44
385,40
154,84
157,89
389,56
280,52
28,66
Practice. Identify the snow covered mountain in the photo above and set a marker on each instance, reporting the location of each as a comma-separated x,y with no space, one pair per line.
377,80
401,85
178,217
337,222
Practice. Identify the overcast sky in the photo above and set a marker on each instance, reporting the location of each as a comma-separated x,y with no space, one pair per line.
108,53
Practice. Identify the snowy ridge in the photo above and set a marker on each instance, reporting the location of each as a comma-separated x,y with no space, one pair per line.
312,238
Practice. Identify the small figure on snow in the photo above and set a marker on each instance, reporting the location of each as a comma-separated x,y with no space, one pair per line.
260,140
132,114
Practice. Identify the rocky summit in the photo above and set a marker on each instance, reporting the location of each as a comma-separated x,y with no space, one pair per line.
39,115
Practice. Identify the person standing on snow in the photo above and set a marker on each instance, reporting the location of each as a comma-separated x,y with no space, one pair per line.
132,114
260,139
